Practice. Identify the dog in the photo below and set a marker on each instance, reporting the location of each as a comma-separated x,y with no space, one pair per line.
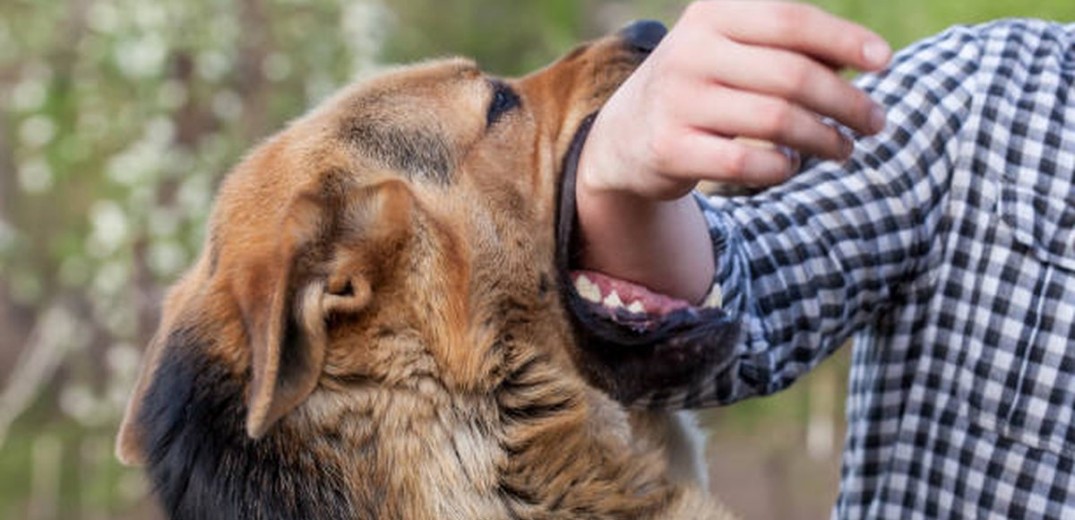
382,322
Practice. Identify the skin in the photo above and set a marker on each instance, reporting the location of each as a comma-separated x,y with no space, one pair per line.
677,120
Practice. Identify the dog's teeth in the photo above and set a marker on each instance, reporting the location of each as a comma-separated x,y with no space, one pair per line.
636,307
587,289
715,299
613,300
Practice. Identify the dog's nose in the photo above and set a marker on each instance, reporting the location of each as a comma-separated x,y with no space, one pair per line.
644,35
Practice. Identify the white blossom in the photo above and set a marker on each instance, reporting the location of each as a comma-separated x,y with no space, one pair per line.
29,94
141,57
276,66
110,228
166,258
37,131
35,176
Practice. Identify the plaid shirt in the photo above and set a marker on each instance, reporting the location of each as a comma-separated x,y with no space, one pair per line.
946,247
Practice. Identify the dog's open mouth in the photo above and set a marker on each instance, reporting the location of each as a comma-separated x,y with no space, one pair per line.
618,296
644,348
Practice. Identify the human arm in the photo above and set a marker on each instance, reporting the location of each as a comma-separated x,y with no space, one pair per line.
727,69
812,261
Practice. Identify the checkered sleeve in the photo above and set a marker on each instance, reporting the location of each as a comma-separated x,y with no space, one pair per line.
807,264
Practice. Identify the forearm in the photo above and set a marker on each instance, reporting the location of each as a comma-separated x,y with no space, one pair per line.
676,260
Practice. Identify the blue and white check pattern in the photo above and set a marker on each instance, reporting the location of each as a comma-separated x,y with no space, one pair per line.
946,247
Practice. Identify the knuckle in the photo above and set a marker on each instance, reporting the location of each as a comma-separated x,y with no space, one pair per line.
735,161
797,76
662,149
787,17
776,117
794,18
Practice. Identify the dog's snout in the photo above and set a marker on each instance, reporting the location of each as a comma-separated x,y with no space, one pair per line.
644,35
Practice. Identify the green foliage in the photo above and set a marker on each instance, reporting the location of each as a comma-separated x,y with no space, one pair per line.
119,119
504,37
905,21
122,120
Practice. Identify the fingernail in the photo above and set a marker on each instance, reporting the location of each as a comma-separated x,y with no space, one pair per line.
878,119
876,53
847,148
794,159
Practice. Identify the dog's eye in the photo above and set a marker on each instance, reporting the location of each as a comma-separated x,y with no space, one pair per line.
504,99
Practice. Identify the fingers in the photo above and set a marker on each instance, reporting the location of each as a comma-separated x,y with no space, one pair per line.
700,155
798,79
729,112
730,70
797,27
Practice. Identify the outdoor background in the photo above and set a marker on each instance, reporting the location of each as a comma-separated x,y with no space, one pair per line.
119,117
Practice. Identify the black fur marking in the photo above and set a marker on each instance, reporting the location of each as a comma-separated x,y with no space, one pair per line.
515,449
203,465
518,494
420,153
524,397
544,285
537,411
522,378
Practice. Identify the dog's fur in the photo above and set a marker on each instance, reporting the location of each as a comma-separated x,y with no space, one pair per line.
374,328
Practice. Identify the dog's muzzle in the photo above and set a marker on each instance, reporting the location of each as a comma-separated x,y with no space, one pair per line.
644,359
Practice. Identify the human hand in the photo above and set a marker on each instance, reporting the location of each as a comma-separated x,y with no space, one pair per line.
727,70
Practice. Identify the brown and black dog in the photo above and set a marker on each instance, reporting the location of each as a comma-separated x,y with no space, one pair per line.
379,326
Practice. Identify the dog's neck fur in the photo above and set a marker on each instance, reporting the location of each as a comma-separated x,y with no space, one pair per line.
494,455
197,447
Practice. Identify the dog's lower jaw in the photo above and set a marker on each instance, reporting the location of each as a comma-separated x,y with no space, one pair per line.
636,357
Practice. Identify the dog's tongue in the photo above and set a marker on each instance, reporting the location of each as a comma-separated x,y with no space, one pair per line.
614,294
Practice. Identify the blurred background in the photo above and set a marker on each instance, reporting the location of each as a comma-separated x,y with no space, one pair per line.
119,117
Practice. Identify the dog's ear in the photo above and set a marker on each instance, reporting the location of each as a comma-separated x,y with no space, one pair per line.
327,261
285,282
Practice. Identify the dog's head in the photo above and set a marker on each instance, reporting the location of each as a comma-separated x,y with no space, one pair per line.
397,231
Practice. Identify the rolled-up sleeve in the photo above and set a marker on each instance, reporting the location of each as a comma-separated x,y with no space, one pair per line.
807,264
